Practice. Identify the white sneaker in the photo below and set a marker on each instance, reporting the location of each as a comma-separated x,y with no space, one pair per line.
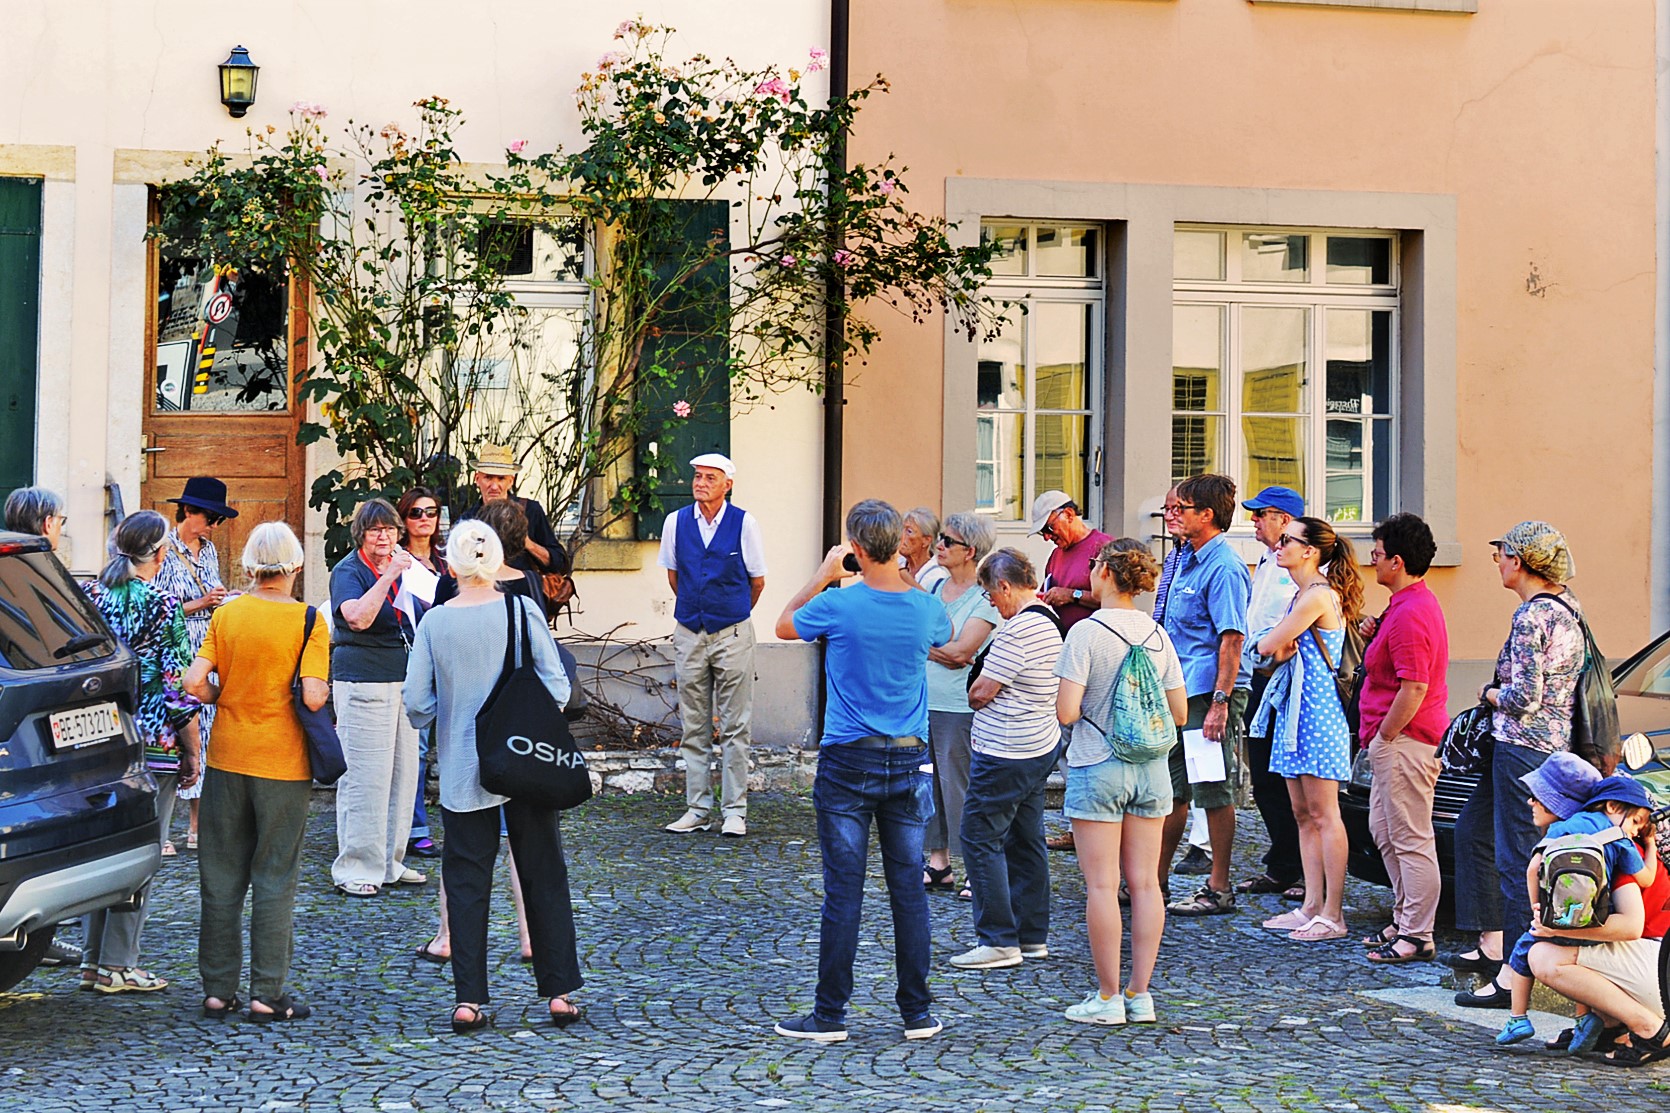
688,822
987,958
1094,1010
734,827
1139,1007
1034,950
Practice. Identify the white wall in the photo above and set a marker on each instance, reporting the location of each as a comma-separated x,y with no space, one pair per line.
127,90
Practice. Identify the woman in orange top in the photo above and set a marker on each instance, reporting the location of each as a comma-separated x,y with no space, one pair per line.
255,791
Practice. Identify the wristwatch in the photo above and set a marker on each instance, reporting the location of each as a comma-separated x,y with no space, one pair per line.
1078,594
1220,697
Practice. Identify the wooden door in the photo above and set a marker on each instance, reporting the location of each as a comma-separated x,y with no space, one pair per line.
224,357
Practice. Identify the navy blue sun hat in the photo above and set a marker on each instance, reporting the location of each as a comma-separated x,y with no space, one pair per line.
1620,787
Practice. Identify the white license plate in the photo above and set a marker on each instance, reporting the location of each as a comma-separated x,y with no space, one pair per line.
85,725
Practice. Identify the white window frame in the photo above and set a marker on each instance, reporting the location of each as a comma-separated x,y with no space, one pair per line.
1031,290
1232,294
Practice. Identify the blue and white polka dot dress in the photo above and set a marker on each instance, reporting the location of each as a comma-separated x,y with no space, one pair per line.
1324,748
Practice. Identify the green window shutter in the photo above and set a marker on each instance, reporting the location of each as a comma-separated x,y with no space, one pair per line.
692,354
20,311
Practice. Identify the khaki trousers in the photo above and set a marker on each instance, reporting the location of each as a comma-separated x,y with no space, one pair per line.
715,680
1405,770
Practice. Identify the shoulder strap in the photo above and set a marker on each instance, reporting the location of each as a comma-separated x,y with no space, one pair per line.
1597,839
1039,608
1322,647
1096,618
191,567
307,636
509,634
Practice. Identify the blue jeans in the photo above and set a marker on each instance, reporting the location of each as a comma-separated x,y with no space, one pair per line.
1003,848
853,786
1494,841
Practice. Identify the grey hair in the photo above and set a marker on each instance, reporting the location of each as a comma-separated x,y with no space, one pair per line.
925,521
875,527
474,551
368,516
28,508
271,552
974,528
1007,566
135,540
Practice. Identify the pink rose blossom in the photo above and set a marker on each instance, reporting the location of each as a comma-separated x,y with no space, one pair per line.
843,257
820,60
614,57
308,110
773,88
324,175
517,147
627,27
886,186
786,261
681,408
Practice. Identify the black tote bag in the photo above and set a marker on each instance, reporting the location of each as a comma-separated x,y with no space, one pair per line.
521,737
324,748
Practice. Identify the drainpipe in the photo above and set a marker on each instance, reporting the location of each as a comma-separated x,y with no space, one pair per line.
834,326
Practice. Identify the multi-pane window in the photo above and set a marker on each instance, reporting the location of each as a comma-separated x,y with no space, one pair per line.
1284,363
1040,377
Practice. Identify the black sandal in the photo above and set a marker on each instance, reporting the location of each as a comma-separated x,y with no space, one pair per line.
1632,1054
567,1016
479,1019
1387,953
284,1007
228,1006
1262,883
941,879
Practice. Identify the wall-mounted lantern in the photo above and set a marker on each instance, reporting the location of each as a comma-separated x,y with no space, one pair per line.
237,82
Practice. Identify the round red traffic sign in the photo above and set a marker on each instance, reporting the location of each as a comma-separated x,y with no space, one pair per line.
220,307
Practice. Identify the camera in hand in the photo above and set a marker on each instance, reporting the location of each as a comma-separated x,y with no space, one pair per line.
850,563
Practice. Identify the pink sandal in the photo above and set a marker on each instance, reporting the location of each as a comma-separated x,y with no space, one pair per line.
1319,930
1291,920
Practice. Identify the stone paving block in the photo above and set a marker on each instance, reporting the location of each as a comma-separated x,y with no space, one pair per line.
693,946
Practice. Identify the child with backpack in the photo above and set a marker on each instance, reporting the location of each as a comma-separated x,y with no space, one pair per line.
1570,878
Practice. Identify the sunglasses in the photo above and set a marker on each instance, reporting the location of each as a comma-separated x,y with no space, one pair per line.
424,512
947,540
213,519
1289,539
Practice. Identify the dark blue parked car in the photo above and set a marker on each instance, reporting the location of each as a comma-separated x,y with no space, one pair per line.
78,815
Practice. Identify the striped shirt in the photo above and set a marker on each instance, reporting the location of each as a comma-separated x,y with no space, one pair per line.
1163,588
1020,721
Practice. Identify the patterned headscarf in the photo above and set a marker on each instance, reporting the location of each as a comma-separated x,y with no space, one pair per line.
1540,548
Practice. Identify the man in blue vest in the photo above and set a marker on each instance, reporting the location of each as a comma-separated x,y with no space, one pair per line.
715,562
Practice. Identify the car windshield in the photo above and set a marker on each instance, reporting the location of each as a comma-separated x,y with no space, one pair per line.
1649,676
45,619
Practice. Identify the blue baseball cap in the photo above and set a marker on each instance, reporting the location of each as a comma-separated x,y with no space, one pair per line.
1622,788
1285,499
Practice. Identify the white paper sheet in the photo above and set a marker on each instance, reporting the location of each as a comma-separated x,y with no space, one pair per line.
1202,759
417,584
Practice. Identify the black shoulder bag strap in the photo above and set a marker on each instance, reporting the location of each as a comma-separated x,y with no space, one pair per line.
307,636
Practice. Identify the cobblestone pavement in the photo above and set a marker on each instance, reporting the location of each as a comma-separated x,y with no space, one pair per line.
692,946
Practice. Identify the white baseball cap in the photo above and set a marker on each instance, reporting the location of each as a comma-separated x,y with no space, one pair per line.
715,460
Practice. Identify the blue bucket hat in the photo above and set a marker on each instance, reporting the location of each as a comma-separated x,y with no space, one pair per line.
1563,784
1620,787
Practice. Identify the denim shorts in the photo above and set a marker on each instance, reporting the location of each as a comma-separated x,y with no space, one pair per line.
1110,790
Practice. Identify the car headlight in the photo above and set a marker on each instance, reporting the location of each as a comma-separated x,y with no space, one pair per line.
1361,774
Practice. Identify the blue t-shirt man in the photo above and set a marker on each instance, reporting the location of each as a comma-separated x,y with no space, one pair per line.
1208,595
876,664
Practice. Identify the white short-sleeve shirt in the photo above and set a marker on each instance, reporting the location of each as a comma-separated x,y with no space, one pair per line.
753,543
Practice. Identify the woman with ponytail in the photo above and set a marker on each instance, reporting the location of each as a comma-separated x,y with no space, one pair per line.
150,622
1310,740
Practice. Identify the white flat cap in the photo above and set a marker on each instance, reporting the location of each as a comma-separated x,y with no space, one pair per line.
715,460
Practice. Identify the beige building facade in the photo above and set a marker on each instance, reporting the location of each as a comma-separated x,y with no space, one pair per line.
1399,255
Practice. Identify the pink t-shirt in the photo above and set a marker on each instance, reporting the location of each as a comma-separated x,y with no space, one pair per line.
1412,643
1070,568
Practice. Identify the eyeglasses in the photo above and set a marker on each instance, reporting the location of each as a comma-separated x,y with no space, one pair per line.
381,529
947,540
1183,506
1171,508
1499,556
424,512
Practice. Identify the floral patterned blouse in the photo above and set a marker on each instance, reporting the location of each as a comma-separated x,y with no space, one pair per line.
178,579
151,624
1537,674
